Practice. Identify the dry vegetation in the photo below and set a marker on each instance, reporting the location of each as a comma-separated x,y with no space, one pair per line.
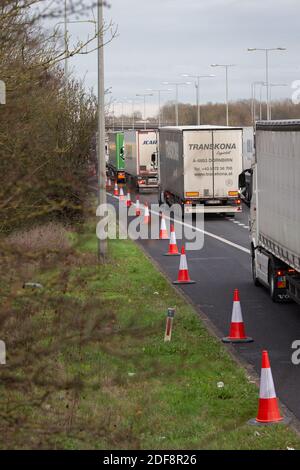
46,130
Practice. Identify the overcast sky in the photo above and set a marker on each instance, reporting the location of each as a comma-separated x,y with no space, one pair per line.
158,40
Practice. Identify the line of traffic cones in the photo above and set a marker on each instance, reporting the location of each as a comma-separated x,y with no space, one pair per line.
268,406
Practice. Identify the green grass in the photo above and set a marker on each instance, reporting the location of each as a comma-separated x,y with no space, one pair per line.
98,375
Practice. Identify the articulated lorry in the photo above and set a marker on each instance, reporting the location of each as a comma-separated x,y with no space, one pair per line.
141,149
199,167
275,209
116,163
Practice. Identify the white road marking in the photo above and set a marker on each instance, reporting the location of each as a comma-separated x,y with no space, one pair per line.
209,234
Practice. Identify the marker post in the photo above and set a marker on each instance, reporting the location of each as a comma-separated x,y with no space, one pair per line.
169,324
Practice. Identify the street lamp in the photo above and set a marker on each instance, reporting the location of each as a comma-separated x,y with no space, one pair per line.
267,50
144,95
177,85
102,242
272,85
253,98
226,66
159,91
122,111
197,85
66,36
132,101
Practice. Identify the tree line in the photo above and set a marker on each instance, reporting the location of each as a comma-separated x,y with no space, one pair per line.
47,125
240,113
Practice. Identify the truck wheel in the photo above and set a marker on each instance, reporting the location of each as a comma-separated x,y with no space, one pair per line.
254,275
272,287
272,283
160,199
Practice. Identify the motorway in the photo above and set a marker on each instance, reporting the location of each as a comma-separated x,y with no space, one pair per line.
220,267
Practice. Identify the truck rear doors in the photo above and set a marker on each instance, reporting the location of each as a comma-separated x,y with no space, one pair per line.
212,163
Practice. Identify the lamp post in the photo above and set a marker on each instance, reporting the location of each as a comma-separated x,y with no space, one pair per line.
102,243
122,111
159,92
66,37
132,101
197,85
266,51
177,85
272,85
253,97
226,66
144,95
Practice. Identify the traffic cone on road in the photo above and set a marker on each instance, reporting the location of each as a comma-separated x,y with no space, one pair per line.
137,207
146,214
128,202
173,250
108,184
268,409
183,274
237,329
116,190
122,197
163,233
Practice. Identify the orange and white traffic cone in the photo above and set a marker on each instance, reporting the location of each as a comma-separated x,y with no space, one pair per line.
122,197
146,214
137,207
237,329
268,408
108,183
116,190
163,233
173,249
128,201
183,274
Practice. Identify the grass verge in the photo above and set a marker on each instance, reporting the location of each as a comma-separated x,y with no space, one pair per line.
87,367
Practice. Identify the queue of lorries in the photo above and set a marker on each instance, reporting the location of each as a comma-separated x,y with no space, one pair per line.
212,168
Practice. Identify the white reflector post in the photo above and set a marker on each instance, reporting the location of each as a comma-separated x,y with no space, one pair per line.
169,324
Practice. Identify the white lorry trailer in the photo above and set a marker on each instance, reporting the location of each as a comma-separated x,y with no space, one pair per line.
141,149
200,166
275,210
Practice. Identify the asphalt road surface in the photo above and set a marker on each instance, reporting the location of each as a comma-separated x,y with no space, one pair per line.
218,268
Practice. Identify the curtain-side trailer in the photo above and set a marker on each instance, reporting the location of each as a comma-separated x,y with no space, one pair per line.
275,211
116,163
200,166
